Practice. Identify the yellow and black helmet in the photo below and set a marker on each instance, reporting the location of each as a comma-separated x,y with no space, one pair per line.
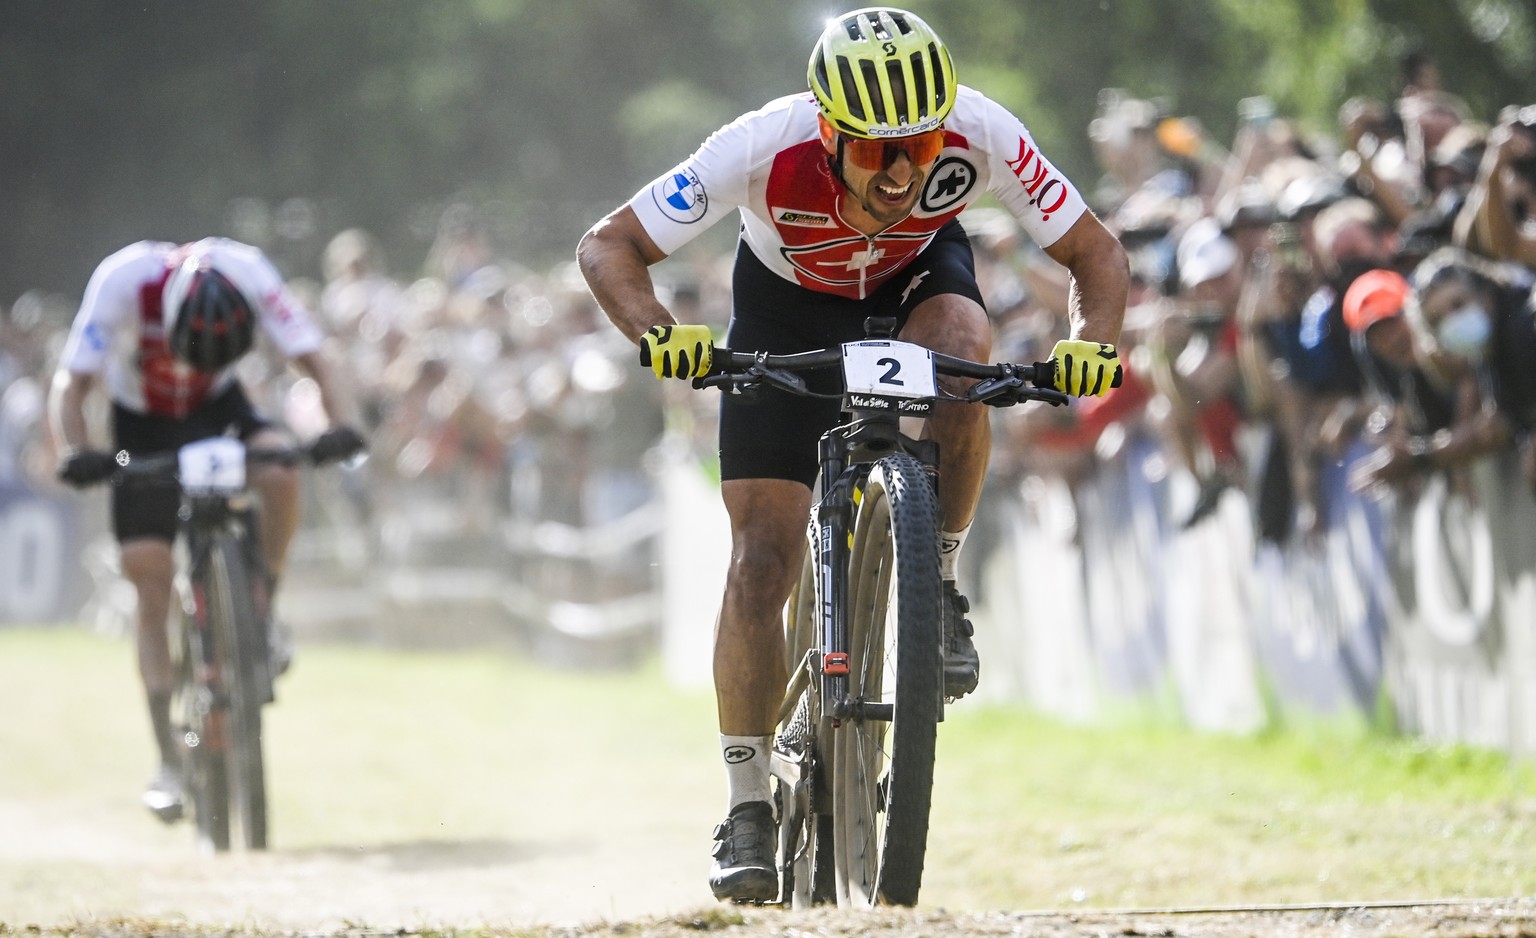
882,72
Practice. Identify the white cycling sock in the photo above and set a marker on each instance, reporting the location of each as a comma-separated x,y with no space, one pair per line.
949,551
746,767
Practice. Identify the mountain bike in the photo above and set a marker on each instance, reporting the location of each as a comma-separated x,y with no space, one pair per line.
853,755
220,641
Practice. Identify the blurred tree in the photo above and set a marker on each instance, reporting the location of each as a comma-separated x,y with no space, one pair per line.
287,120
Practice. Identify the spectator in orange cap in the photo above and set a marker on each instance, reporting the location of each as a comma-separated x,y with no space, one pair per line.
1376,299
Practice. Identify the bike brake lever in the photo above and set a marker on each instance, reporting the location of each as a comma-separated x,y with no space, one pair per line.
714,381
1049,395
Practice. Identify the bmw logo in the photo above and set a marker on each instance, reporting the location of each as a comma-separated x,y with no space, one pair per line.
680,196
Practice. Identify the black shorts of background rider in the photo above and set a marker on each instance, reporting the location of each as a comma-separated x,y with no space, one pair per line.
773,434
149,510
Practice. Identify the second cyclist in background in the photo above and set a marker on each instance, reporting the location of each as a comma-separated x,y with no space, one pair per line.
162,325
848,196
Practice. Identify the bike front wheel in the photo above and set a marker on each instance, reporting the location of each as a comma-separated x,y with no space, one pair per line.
240,643
882,777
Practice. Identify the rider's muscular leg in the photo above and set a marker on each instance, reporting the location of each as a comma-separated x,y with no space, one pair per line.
150,565
280,510
767,549
956,326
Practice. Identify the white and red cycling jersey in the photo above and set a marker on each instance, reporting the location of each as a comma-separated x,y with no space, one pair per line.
118,328
770,163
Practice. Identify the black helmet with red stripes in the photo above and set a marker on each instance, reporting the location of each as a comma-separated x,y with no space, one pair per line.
208,321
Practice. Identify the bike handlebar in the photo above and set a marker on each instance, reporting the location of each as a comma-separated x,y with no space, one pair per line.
1001,385
165,466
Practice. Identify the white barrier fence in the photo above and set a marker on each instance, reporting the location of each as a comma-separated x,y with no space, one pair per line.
1088,602
1091,602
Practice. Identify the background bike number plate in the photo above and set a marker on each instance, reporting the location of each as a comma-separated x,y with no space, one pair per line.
891,369
216,464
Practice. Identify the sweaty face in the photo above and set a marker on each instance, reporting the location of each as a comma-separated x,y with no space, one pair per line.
884,177
889,194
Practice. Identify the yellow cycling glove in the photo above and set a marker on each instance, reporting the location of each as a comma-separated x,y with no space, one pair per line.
677,351
1086,367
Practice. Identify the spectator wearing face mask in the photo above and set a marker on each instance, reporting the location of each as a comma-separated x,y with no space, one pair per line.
1474,331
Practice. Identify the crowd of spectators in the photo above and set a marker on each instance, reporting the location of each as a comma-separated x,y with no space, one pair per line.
1311,291
1296,297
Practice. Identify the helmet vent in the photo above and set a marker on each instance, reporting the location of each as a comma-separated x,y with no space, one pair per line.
851,89
919,85
877,103
939,88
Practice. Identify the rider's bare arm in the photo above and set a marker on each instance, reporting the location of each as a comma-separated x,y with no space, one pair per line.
66,409
1101,278
615,257
337,403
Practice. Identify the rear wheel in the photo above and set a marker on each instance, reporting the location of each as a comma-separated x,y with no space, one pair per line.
882,780
805,833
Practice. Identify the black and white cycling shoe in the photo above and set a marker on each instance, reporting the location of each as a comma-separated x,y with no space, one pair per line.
166,795
962,666
744,869
279,647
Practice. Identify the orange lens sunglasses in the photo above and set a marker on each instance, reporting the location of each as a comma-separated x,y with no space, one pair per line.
876,155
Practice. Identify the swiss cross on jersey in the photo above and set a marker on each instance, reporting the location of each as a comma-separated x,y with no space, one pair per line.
172,388
831,256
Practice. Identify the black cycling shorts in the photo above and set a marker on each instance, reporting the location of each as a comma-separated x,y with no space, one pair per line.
773,434
149,510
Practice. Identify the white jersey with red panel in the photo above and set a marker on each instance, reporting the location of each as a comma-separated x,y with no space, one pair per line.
118,328
770,163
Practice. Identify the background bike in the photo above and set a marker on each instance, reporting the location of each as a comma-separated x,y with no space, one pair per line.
220,641
854,754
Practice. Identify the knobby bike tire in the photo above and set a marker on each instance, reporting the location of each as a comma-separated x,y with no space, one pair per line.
200,730
806,874
882,780
206,733
238,637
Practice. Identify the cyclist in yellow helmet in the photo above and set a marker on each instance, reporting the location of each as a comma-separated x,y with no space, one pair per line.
848,195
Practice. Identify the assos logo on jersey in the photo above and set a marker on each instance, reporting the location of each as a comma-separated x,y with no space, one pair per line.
950,181
680,196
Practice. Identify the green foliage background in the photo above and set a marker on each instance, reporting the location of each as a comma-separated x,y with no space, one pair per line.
282,121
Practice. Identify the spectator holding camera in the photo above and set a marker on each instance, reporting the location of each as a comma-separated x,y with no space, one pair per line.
1498,219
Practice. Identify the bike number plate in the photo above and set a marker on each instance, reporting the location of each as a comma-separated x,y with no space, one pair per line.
216,464
888,368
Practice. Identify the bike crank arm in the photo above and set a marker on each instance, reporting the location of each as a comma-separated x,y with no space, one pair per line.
870,711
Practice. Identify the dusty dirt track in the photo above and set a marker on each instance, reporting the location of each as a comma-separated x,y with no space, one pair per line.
1514,918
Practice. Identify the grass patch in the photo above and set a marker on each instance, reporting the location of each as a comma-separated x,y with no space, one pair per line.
471,761
1154,815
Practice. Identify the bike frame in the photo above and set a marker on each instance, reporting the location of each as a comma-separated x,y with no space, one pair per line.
847,453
